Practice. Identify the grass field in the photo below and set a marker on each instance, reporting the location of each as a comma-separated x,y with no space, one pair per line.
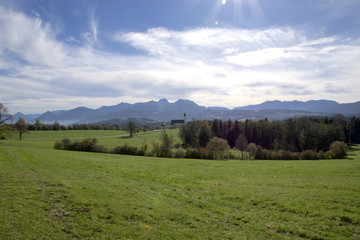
53,194
109,138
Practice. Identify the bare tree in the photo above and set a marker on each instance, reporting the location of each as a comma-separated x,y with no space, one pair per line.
4,114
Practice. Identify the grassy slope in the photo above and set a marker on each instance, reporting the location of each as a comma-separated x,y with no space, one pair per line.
59,194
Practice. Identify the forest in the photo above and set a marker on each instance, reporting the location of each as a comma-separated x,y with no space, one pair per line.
295,138
295,134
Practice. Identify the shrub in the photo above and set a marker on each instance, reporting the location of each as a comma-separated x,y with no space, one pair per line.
196,154
295,156
180,153
75,146
101,149
66,142
252,149
142,151
329,154
88,145
339,148
126,149
217,147
285,155
309,155
321,154
58,146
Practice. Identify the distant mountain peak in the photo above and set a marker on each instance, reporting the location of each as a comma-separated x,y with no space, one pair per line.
163,100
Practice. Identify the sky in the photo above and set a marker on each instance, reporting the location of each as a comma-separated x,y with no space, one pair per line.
62,54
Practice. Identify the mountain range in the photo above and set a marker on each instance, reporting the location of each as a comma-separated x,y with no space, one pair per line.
165,111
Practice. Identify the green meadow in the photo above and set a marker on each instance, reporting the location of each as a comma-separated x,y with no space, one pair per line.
55,194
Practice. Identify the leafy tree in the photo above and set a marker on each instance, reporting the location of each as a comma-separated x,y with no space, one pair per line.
241,144
217,147
21,127
166,145
38,124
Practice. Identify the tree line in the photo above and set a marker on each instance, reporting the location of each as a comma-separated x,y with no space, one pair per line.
295,138
295,134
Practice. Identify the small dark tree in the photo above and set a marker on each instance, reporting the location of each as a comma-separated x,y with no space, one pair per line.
204,135
131,128
166,145
241,144
38,124
21,127
56,126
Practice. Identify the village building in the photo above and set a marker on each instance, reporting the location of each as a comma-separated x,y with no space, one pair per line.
178,122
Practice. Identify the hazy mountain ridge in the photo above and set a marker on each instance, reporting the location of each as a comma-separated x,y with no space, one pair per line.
165,111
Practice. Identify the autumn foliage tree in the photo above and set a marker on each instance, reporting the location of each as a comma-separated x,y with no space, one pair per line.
21,127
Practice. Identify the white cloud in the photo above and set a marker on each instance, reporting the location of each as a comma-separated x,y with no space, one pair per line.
28,39
212,66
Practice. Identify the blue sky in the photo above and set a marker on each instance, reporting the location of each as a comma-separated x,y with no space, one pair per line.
64,54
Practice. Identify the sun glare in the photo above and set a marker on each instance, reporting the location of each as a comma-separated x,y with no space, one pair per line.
253,6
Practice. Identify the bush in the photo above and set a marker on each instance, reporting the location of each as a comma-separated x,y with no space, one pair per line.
329,154
142,151
126,149
196,154
58,146
101,149
309,155
251,148
66,142
180,153
339,148
321,154
75,146
295,156
217,147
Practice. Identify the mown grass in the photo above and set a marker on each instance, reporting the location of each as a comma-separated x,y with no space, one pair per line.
108,138
52,194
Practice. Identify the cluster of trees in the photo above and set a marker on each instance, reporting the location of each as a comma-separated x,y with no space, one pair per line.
298,138
296,135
